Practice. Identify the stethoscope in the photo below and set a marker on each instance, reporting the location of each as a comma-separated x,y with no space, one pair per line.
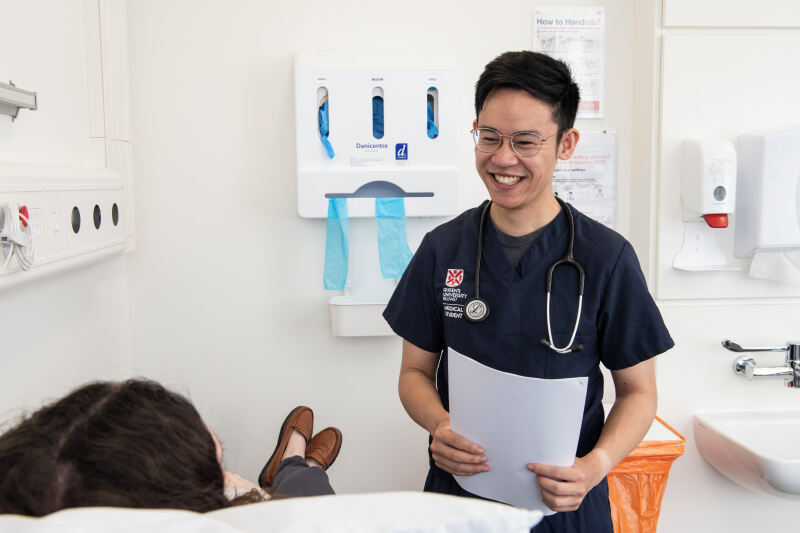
476,309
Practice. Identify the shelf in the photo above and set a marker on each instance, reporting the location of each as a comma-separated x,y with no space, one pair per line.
13,99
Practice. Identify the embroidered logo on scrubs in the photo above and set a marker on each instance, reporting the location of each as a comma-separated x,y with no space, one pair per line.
452,298
454,277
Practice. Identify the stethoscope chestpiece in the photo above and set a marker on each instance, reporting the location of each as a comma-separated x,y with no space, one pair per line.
476,310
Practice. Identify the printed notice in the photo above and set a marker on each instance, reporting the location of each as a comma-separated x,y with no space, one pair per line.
588,179
577,36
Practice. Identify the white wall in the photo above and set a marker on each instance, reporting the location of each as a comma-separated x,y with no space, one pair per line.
226,281
696,376
224,290
44,52
725,69
64,330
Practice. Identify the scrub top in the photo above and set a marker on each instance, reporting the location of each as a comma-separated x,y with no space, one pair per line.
620,324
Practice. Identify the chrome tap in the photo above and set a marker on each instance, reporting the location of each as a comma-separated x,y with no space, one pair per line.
746,366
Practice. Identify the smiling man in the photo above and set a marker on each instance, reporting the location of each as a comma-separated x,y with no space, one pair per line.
525,106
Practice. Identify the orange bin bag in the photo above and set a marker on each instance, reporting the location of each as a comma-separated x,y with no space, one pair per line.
636,485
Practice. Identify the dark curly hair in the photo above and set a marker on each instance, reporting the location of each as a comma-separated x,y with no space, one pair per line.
118,444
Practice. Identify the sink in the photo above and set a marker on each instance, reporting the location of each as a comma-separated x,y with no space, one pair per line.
759,450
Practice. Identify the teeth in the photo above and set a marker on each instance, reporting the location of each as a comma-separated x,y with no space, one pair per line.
507,180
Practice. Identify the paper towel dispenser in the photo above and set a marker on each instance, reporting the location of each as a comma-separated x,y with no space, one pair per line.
768,199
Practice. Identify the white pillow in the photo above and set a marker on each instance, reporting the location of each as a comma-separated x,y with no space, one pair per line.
383,512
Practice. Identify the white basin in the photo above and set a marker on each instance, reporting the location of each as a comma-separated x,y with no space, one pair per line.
759,450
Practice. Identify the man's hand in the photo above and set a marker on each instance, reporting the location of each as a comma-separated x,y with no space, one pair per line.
455,454
417,387
564,487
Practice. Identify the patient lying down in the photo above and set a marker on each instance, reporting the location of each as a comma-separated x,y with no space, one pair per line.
137,444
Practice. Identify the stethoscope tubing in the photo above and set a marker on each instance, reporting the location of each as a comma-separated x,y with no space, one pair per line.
483,307
484,216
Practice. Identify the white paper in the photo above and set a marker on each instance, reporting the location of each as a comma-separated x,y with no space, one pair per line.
518,420
777,265
577,36
588,180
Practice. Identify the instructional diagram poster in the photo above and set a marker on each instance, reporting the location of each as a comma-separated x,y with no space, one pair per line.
577,36
588,180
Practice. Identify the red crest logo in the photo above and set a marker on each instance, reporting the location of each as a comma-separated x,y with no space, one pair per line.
454,277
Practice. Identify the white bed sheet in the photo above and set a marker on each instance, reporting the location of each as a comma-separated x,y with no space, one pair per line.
384,512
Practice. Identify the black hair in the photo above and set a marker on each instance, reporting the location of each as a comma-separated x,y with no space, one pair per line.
543,77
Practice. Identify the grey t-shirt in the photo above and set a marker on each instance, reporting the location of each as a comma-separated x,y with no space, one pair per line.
515,247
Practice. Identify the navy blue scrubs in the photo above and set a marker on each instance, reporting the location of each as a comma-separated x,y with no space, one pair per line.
620,324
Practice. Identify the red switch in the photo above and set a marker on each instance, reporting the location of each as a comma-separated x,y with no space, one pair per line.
23,210
719,220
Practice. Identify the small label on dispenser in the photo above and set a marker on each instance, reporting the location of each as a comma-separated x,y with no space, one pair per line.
370,153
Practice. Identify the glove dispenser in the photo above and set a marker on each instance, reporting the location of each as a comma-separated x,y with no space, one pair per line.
377,136
391,129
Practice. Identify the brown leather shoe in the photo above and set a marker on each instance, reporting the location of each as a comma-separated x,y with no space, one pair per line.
300,419
324,447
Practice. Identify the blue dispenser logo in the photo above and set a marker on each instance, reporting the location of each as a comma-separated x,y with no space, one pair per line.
401,151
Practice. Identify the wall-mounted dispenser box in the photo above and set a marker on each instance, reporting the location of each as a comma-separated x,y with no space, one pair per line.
768,207
708,196
708,181
377,125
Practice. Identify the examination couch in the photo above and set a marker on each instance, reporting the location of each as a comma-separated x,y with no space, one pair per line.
384,512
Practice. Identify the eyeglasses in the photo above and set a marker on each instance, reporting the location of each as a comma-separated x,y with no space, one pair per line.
524,143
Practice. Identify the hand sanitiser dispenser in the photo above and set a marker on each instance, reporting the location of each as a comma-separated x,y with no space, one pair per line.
708,181
768,208
708,194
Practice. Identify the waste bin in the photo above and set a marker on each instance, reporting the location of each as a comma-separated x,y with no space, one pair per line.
636,486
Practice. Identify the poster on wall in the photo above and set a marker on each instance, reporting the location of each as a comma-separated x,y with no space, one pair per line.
575,35
588,180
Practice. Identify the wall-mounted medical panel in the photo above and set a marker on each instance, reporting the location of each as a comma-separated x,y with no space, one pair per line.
377,125
75,217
